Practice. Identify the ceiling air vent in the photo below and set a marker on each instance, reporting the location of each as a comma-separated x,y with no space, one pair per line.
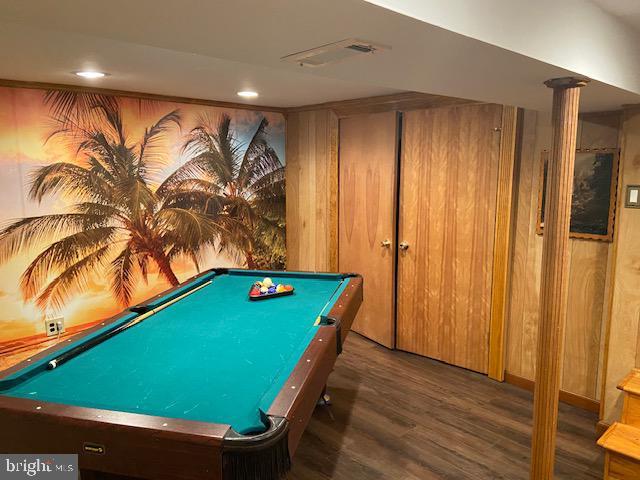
334,52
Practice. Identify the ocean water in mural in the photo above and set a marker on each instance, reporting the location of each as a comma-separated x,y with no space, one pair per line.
105,201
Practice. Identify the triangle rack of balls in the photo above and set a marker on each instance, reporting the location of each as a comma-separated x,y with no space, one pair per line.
264,289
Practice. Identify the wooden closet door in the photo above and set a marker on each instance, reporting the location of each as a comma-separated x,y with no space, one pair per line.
449,172
367,217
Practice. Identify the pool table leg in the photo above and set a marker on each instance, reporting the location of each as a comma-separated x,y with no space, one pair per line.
325,398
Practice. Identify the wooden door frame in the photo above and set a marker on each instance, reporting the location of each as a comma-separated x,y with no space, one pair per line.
510,143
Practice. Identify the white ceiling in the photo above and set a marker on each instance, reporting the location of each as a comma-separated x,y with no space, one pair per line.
626,10
212,49
43,55
575,35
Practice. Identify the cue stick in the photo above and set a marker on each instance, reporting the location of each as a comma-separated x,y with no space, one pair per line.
319,319
83,347
146,315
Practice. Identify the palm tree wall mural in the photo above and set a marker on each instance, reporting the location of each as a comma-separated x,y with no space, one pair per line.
130,200
245,184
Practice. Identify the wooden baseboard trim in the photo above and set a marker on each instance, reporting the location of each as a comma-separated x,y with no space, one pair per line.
565,397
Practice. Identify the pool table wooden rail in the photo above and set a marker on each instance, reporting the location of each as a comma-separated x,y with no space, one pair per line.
146,446
344,311
121,443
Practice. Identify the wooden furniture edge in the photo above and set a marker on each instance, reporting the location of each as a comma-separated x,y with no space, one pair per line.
623,430
569,398
605,436
624,383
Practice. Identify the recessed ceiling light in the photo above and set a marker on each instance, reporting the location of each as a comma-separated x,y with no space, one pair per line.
90,74
248,94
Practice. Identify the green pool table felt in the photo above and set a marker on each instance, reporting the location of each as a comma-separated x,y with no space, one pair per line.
213,356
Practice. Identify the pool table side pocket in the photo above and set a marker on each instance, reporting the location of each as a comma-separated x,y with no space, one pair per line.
345,308
300,393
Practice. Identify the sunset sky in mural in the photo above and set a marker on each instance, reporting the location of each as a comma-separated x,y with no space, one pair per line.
24,127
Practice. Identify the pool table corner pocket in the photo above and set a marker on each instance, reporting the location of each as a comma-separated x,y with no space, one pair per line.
263,456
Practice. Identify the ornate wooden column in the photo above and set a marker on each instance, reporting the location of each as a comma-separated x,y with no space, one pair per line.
555,273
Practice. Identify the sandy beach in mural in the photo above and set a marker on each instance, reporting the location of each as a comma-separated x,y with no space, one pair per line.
105,201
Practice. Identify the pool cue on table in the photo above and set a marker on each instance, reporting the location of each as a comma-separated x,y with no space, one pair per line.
319,319
146,315
74,352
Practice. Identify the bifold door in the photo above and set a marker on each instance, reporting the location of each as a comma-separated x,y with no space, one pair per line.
447,207
367,217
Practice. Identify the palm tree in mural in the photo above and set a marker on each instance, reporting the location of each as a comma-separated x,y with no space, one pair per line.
79,106
245,185
118,224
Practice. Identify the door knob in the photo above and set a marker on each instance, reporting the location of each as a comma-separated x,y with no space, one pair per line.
385,243
403,245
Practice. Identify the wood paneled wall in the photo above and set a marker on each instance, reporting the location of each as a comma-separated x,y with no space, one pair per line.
312,183
588,266
623,347
312,169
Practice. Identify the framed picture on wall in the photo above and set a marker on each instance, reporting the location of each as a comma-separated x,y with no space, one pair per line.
593,204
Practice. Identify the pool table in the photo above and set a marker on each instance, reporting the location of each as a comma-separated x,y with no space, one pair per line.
198,382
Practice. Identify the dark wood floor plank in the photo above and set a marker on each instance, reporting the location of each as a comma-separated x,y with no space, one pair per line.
400,416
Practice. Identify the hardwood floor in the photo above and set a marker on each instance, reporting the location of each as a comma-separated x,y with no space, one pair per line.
400,416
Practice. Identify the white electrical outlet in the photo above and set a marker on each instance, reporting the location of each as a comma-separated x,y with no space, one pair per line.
54,326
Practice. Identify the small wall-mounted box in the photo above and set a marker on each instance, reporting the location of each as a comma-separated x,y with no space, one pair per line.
632,196
54,326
